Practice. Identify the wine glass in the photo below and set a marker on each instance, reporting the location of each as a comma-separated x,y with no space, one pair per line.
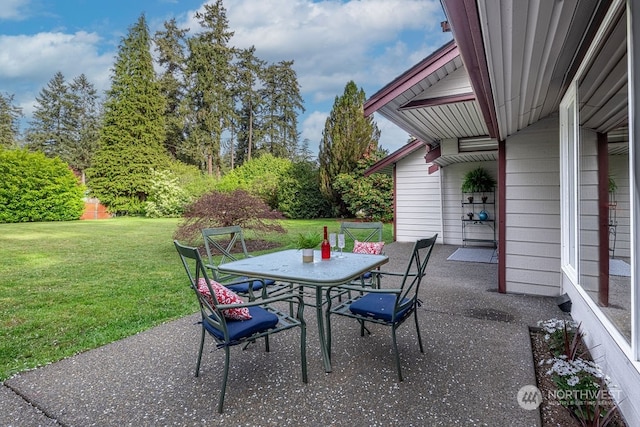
332,241
341,244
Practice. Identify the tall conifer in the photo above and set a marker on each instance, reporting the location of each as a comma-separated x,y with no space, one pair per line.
133,128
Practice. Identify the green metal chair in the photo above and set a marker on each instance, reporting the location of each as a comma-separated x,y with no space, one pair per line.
366,232
265,319
227,244
389,307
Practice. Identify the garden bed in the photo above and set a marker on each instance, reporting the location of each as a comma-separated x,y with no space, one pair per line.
552,412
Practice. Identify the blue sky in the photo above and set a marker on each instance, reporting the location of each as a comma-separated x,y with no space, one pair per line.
331,42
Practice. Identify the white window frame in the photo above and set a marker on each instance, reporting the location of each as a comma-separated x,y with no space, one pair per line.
569,183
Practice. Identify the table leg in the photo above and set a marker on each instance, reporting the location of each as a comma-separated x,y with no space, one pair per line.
326,357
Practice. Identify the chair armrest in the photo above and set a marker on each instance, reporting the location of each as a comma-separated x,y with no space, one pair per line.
369,290
282,297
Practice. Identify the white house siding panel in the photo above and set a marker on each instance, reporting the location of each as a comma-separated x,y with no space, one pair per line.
588,196
418,210
619,171
532,208
453,211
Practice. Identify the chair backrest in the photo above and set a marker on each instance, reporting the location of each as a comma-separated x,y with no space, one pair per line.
221,242
196,270
362,231
416,270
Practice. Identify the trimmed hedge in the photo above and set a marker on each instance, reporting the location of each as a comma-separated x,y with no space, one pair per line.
34,187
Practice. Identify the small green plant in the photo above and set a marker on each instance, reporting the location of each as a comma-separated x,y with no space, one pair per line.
613,186
582,387
582,390
477,181
308,240
563,336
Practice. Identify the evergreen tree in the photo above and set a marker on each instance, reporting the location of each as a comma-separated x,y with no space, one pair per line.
249,71
133,128
52,124
348,136
171,47
84,118
281,94
9,116
209,73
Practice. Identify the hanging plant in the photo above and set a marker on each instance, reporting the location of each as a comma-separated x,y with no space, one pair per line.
612,184
477,181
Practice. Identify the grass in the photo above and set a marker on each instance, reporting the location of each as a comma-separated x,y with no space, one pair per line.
67,287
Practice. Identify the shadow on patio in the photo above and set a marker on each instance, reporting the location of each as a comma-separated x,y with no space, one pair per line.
477,356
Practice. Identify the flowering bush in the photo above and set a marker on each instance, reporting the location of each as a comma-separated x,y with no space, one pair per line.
563,336
582,387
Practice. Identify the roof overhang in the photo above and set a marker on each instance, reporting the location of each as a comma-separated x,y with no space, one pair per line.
433,100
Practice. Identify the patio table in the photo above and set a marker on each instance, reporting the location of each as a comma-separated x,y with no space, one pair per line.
287,266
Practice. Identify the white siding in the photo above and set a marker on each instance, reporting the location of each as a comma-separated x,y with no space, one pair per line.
452,204
619,170
418,210
588,199
532,219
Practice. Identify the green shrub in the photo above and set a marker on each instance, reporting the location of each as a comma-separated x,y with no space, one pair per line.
191,179
34,187
367,197
299,194
166,198
260,176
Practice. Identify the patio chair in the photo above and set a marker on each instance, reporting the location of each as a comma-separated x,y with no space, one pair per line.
389,307
230,321
366,237
221,242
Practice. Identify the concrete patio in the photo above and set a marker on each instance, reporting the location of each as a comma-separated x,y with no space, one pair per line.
477,356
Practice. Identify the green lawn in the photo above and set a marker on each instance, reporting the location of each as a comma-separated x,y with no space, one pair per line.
67,287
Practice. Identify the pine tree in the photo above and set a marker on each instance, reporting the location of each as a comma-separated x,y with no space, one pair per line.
52,124
171,47
133,128
84,118
282,97
9,116
249,70
209,96
348,136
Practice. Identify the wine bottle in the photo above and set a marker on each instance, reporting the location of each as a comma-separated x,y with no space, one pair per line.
325,248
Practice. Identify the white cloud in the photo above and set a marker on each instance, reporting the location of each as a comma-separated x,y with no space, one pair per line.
13,9
392,137
312,127
30,61
331,41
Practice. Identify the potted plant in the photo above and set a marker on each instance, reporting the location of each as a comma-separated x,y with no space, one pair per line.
306,242
477,181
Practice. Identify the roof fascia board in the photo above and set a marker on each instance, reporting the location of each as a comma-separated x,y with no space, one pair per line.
464,20
441,100
394,157
411,77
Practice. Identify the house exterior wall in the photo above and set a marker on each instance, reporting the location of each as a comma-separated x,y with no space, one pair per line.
619,170
532,237
453,211
589,269
418,207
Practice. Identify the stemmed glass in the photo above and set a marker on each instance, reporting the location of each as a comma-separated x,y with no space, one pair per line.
341,244
332,241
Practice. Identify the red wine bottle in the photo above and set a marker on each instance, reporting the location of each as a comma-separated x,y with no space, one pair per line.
325,248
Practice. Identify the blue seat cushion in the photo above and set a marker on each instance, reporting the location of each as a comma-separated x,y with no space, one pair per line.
378,306
243,288
261,320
